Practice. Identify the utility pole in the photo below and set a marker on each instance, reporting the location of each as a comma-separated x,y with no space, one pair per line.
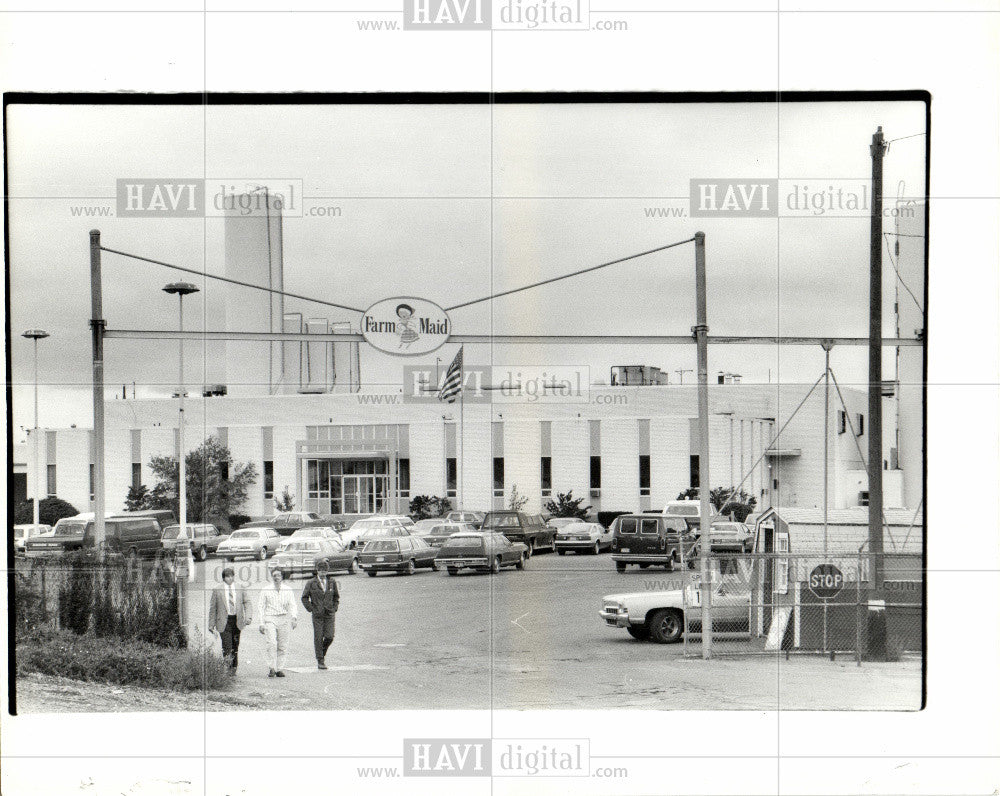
876,596
704,548
97,325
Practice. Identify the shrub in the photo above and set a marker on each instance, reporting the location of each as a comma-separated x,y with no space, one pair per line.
565,505
76,597
425,507
236,521
119,662
50,511
29,603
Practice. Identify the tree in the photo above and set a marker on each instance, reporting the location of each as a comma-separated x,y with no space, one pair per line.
729,503
426,507
691,493
517,501
565,505
216,485
286,502
137,498
50,511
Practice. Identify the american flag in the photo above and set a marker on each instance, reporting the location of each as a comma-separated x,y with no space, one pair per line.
452,379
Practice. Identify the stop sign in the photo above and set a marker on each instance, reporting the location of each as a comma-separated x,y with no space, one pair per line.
826,581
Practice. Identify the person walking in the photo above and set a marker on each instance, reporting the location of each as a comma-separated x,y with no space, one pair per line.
321,597
230,610
279,613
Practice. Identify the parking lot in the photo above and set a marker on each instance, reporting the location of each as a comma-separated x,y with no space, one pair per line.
516,640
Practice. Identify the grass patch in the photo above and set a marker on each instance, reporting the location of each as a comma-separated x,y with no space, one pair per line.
117,661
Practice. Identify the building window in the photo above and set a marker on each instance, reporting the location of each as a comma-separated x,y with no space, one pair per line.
595,475
268,479
498,476
695,476
644,474
841,422
404,477
136,475
50,479
861,425
546,476
452,476
91,482
224,471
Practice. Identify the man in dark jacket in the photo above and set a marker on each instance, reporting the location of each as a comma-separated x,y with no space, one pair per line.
321,597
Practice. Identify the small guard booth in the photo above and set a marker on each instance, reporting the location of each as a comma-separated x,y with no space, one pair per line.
810,587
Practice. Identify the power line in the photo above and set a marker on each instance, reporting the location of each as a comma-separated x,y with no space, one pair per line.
895,267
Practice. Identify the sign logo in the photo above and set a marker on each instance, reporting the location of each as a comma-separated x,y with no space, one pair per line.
406,326
447,14
826,581
734,198
442,757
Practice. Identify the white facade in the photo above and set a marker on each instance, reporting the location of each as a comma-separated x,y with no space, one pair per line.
618,424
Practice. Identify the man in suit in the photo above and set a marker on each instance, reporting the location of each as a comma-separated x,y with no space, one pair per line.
230,611
321,597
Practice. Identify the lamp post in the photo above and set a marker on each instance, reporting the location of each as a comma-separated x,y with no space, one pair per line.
181,289
35,335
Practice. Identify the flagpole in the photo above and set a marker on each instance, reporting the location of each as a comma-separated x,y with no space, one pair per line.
461,432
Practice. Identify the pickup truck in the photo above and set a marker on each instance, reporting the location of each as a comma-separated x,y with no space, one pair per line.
529,529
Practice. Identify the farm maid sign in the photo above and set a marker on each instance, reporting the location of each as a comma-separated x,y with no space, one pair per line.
406,326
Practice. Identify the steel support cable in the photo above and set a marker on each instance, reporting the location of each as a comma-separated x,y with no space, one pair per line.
899,276
231,281
771,444
854,436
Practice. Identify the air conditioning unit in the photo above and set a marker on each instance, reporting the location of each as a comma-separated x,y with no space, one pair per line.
595,493
863,498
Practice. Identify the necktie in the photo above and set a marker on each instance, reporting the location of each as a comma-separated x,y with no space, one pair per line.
229,600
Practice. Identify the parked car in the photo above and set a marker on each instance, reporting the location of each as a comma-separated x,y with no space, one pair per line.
583,537
473,518
728,537
380,522
659,616
529,529
560,522
22,533
690,510
646,539
424,527
288,522
311,532
442,530
258,543
342,558
485,551
300,556
133,537
402,554
204,538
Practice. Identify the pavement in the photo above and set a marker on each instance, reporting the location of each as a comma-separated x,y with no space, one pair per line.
527,639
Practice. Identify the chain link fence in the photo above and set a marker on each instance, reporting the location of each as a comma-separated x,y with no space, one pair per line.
782,603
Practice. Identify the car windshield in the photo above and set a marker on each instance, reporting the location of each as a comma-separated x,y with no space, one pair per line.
576,527
502,521
172,531
382,546
445,530
18,533
308,533
683,511
365,525
243,535
71,528
302,547
461,540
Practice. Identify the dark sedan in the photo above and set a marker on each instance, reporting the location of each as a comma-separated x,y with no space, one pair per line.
443,531
485,552
342,558
403,554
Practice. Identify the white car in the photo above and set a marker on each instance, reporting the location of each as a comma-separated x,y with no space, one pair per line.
258,543
690,510
312,532
424,527
583,537
659,615
391,524
27,531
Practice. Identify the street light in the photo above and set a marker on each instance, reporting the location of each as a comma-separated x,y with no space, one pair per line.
181,289
35,335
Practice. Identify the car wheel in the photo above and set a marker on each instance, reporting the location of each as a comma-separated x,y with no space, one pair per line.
434,565
666,626
372,573
262,554
669,566
561,552
620,566
203,553
597,548
352,567
411,567
520,562
495,565
452,570
640,632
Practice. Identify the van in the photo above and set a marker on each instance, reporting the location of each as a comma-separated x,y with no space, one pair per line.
132,537
646,540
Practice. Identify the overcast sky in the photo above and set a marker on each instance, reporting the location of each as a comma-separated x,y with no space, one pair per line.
422,192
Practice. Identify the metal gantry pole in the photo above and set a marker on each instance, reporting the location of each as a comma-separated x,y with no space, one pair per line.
38,480
182,475
97,325
704,486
